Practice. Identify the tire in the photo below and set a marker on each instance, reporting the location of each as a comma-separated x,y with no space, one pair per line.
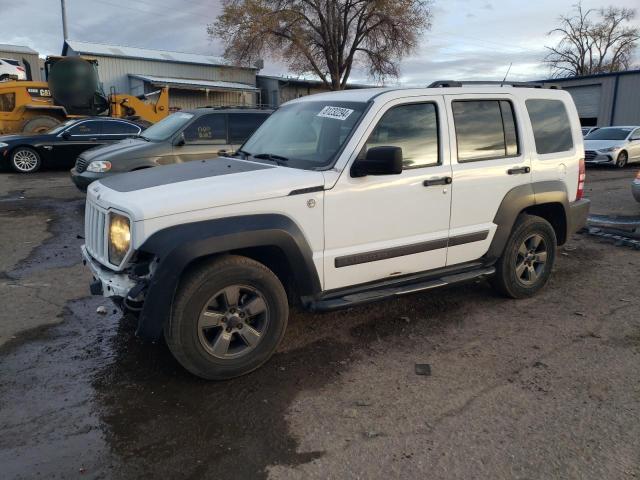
212,336
520,271
622,159
25,160
40,124
4,78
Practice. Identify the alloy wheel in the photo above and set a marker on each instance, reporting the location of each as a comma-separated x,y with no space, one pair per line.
531,259
25,160
233,322
622,160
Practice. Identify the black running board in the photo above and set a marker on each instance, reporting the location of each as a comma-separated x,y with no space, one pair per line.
324,305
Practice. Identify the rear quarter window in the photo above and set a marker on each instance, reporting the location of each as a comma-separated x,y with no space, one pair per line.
551,125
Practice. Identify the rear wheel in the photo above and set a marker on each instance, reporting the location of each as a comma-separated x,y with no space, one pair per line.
25,160
40,124
228,318
526,263
622,159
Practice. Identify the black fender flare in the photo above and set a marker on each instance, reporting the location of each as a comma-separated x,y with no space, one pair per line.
178,246
518,199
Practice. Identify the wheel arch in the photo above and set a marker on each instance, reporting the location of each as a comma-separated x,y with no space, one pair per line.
272,239
547,199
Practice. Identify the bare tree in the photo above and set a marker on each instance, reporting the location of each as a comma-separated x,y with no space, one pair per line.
324,37
593,41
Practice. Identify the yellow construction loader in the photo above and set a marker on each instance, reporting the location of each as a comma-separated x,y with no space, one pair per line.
72,91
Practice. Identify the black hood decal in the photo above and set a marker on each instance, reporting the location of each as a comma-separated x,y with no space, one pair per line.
182,172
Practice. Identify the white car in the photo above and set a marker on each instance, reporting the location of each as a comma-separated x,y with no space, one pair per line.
337,200
587,130
614,146
10,69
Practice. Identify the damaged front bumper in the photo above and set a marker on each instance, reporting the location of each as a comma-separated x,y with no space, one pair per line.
108,283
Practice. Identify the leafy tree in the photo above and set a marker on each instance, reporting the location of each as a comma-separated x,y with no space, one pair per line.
324,37
593,41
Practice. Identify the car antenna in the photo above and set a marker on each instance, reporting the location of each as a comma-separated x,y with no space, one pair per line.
505,75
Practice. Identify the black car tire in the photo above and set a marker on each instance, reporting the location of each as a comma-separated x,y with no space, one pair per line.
25,160
519,273
622,159
40,124
202,296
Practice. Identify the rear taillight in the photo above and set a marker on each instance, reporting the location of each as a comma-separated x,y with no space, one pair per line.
581,176
20,69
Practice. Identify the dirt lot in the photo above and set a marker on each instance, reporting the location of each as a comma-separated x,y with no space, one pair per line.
541,388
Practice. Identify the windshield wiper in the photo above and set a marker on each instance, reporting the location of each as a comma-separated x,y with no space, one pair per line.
242,152
278,159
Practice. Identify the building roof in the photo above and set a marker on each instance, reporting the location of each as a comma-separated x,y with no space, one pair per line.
305,81
193,84
120,51
4,47
595,75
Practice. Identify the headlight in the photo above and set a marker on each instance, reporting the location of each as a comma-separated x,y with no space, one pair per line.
119,238
610,149
2,144
100,166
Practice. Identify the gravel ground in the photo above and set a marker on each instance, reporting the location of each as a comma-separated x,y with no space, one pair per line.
540,388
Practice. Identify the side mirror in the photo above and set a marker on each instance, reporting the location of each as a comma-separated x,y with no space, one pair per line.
379,161
66,135
180,141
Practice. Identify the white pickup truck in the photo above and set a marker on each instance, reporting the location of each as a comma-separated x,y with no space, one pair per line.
340,199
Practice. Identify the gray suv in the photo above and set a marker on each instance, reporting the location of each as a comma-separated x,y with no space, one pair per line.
183,136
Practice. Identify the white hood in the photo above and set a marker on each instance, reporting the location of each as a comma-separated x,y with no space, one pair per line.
198,185
601,144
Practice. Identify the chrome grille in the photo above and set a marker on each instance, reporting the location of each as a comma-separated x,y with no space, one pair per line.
81,164
589,155
95,223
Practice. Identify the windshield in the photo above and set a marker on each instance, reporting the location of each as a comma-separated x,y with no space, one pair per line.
62,126
305,134
609,134
166,127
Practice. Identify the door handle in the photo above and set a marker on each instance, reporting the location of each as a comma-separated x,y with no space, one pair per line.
437,181
518,170
93,139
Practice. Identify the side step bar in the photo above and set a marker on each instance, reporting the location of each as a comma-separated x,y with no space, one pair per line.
386,293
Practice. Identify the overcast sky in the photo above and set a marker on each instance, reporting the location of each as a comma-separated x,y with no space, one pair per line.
470,39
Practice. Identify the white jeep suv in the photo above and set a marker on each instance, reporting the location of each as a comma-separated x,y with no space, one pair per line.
340,199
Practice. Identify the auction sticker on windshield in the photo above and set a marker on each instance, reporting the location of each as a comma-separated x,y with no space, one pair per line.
338,113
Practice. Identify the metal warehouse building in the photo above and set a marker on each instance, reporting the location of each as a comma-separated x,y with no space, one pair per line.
27,57
193,80
277,90
605,99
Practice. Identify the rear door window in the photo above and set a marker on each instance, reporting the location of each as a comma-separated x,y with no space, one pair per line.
485,129
84,129
207,129
551,125
119,128
242,125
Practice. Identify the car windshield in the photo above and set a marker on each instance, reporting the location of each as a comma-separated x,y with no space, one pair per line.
609,134
166,127
307,134
62,126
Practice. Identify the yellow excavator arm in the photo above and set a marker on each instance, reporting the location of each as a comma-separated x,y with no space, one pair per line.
140,108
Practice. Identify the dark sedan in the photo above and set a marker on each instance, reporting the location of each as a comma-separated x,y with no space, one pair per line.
60,146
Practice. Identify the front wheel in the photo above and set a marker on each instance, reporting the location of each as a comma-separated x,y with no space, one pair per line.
526,263
228,318
25,160
622,159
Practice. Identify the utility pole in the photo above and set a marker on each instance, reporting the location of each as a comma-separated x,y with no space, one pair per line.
64,20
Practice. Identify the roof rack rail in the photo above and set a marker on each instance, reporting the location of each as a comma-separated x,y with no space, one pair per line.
458,83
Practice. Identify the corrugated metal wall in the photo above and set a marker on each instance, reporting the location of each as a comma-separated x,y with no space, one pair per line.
115,71
33,60
627,111
186,99
627,99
